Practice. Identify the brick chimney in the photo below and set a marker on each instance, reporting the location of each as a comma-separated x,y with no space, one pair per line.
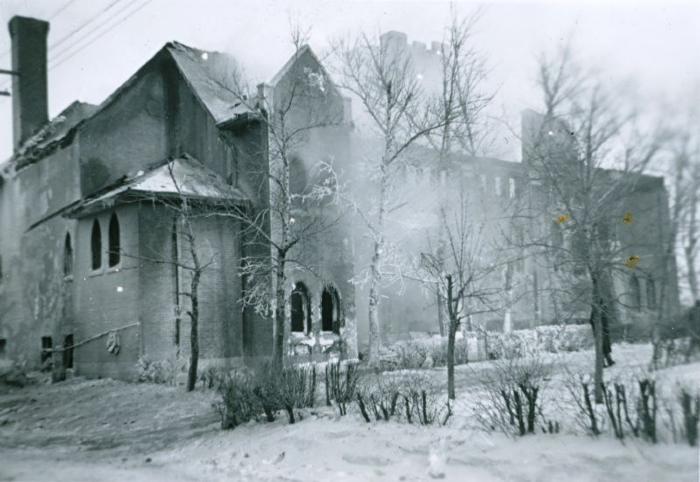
29,94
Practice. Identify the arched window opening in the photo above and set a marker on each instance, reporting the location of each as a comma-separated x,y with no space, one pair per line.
298,177
114,248
301,309
67,256
96,245
651,293
330,310
635,293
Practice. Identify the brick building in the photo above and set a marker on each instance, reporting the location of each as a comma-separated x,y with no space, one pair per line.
90,252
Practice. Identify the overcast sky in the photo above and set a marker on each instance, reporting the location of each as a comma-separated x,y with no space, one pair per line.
654,46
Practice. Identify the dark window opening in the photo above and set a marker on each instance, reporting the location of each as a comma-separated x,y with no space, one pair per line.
635,293
330,310
301,309
67,256
651,294
46,347
114,253
96,245
3,347
68,351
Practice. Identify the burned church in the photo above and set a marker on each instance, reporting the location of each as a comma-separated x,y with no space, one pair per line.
96,267
93,257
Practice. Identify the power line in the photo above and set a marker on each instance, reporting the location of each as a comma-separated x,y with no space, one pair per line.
102,34
58,62
94,29
65,6
66,37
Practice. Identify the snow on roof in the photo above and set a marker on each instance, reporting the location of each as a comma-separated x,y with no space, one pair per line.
53,132
212,77
184,176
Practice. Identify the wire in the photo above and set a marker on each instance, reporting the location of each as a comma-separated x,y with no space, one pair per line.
65,6
90,32
66,37
102,34
57,62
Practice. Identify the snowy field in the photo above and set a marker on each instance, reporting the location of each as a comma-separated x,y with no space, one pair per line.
83,430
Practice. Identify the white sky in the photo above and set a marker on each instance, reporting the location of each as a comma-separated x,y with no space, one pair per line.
653,45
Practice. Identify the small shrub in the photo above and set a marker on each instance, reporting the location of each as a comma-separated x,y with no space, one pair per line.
690,406
414,400
162,372
513,401
341,384
239,403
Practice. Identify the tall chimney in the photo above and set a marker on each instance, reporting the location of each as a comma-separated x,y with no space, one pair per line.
29,94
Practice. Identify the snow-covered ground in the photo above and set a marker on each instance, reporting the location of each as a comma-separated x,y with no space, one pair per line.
106,430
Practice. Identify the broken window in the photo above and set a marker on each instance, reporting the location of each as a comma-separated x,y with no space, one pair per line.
3,347
96,245
651,293
46,347
114,248
301,309
635,293
330,310
68,351
67,256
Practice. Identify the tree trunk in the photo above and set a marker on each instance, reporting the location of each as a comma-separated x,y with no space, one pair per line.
452,334
278,346
451,358
374,333
375,341
194,332
597,318
441,318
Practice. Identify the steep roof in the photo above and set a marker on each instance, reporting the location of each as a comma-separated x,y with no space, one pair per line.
173,178
212,77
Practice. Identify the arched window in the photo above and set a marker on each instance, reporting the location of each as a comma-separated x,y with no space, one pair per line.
96,245
301,309
114,253
67,256
635,292
330,310
651,293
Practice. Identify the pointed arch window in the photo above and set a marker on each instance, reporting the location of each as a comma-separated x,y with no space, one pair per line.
651,293
114,247
330,310
301,309
635,293
96,245
67,256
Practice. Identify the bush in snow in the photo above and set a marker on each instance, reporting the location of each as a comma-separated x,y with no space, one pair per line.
414,399
512,402
162,371
690,406
421,353
341,384
247,395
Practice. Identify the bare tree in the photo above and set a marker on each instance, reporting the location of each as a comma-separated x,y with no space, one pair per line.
465,267
460,102
302,102
569,150
382,78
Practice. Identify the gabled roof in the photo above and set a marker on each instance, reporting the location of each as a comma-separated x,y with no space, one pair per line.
53,133
171,179
211,76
